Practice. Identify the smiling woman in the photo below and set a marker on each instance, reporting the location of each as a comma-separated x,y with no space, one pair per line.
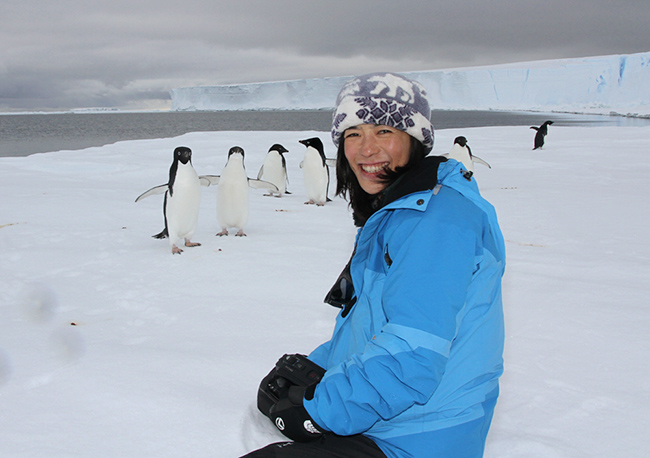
413,365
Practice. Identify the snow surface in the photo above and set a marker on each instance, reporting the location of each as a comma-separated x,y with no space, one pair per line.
110,346
606,84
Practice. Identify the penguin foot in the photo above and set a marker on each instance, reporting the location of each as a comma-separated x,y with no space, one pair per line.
191,244
240,233
222,233
176,250
310,202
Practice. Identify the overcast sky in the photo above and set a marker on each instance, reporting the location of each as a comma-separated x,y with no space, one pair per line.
63,54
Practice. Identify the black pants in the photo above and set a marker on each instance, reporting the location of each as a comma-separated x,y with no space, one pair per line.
328,446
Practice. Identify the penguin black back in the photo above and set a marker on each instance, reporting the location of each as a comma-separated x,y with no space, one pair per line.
541,133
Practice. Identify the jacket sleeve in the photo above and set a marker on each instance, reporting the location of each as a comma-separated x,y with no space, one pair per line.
432,261
319,355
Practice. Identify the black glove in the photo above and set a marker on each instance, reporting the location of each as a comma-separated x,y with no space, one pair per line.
281,393
291,417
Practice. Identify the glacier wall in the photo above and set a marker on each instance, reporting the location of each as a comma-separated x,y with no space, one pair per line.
606,84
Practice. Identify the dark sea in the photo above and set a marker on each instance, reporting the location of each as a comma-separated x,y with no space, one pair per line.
25,134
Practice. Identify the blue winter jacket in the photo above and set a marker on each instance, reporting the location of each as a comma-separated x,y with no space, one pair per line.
415,363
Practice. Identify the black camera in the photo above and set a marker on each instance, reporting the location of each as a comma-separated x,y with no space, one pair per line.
290,370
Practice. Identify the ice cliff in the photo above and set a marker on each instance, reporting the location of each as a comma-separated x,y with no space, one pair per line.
618,84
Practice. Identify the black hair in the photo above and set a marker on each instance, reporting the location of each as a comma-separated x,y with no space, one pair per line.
347,185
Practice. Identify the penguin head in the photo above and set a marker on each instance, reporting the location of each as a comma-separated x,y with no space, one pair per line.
236,150
279,148
183,154
548,123
462,141
314,142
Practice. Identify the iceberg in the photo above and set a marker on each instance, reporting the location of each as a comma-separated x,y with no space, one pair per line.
615,84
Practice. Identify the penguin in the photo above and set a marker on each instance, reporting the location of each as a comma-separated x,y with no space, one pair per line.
461,152
541,133
182,198
274,170
233,192
315,168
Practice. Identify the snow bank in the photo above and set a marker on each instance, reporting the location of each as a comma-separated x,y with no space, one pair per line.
617,83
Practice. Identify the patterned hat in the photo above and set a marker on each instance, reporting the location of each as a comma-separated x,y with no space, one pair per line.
387,99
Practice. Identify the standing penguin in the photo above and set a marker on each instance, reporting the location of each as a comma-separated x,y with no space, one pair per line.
541,133
233,193
182,198
316,171
274,170
462,153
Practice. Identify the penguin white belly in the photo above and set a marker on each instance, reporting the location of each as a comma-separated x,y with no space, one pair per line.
461,155
316,177
232,198
273,172
182,210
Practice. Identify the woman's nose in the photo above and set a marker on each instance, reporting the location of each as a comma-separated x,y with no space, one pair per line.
369,145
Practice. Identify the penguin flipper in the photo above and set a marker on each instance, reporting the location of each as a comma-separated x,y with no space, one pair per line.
301,163
261,184
160,189
260,173
478,160
533,127
330,162
207,180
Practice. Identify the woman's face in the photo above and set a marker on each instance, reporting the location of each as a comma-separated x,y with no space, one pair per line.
371,149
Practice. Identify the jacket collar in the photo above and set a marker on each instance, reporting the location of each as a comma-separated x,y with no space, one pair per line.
422,178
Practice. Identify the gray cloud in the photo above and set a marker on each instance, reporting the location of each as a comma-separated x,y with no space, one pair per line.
125,54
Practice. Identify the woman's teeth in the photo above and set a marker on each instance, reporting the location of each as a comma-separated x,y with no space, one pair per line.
373,168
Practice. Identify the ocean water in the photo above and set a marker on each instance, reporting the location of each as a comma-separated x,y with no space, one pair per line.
25,134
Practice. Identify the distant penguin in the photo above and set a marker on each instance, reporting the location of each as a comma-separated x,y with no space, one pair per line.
182,199
274,170
541,133
461,152
316,171
233,193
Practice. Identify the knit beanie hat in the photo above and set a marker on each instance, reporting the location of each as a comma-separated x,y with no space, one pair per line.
387,99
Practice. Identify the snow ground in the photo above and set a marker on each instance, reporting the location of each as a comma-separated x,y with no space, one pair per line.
112,347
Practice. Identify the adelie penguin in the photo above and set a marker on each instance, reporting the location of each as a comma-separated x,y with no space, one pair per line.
315,168
274,170
541,133
233,192
182,199
461,152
